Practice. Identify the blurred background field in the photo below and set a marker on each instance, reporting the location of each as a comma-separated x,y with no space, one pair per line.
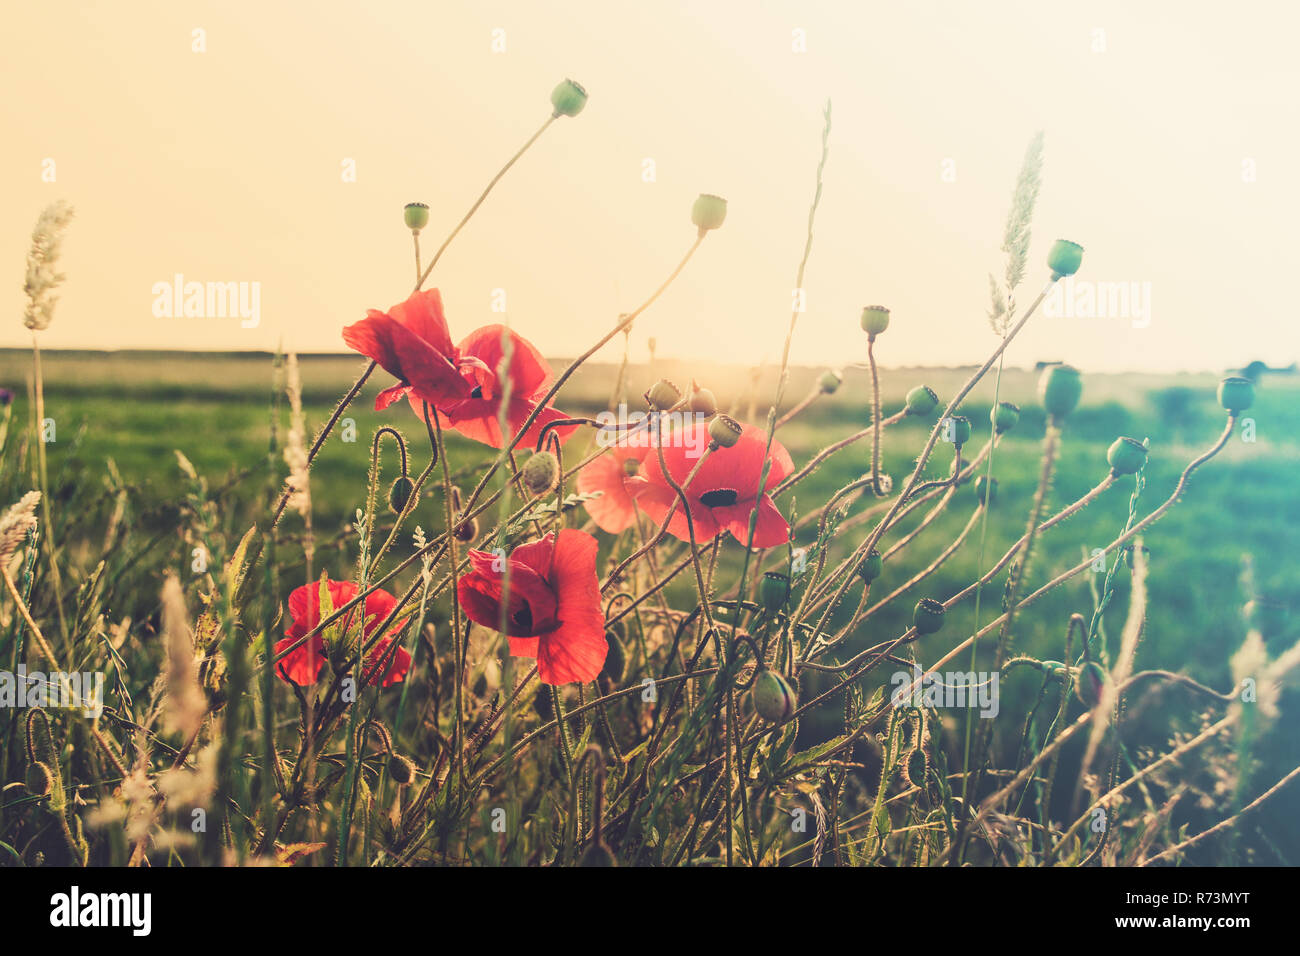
119,418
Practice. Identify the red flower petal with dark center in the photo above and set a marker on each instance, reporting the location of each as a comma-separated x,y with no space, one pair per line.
725,491
554,604
303,666
411,342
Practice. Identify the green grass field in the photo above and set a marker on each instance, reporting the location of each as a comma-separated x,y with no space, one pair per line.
119,419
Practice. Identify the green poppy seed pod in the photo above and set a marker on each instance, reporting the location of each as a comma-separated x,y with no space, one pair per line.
662,395
597,855
774,591
830,381
774,699
960,430
615,658
541,472
415,215
875,319
928,616
708,212
568,99
400,769
922,400
1091,683
725,431
1236,394
703,403
986,489
871,567
1004,416
1064,258
1060,388
1126,457
400,494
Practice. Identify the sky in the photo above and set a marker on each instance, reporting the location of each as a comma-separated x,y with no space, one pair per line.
214,141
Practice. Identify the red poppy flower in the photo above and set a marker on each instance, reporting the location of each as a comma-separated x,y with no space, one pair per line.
411,342
554,609
614,478
478,416
724,493
303,666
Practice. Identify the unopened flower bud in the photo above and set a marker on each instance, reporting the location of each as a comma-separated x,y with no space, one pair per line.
1064,258
830,381
724,430
703,402
708,212
986,490
467,530
400,494
1060,389
875,319
416,216
1004,416
568,98
662,395
598,854
1090,684
1236,394
541,473
922,400
400,769
774,699
928,616
1126,456
774,591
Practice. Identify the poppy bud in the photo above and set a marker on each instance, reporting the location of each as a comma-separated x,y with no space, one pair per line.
1060,388
615,658
960,430
597,855
1126,456
1236,394
1004,416
631,467
724,430
568,99
1064,258
928,616
543,705
1091,682
400,769
40,779
875,319
774,591
708,212
662,395
830,381
986,489
400,494
416,216
703,402
871,567
774,699
922,400
467,530
541,472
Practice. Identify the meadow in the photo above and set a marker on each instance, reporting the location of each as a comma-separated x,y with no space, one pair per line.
124,497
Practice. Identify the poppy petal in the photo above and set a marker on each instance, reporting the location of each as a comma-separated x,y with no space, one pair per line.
575,651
